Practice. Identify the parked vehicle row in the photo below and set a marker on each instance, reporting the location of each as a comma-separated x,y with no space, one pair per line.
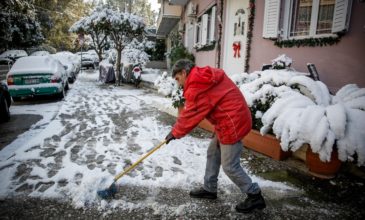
35,75
38,74
89,59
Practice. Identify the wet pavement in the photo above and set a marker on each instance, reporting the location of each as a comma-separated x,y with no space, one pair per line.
340,198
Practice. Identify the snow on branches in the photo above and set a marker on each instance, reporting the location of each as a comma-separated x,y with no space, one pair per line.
303,111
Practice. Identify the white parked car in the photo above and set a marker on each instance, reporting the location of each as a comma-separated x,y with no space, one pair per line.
68,65
35,76
73,58
13,54
40,53
89,59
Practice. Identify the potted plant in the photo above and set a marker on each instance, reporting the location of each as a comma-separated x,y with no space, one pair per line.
304,112
266,144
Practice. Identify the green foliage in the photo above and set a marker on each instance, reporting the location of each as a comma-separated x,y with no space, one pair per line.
180,52
262,106
309,42
178,99
61,14
19,27
157,53
44,47
207,47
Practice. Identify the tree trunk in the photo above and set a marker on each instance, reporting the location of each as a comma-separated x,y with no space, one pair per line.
118,71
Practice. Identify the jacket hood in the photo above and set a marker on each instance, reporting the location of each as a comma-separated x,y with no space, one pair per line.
201,79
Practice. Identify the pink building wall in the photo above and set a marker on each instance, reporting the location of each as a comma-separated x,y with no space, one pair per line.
337,65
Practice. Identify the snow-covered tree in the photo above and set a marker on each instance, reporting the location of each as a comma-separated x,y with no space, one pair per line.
95,26
19,27
135,52
123,28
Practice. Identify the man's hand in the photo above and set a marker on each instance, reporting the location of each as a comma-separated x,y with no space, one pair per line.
169,138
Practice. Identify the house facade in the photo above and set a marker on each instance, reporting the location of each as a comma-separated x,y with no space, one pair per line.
289,23
242,35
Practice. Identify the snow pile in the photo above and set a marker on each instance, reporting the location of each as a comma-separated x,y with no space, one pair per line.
303,111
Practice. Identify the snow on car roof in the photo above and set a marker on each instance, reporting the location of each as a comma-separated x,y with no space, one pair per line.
36,64
14,53
40,53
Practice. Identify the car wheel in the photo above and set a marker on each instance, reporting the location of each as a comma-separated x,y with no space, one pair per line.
16,99
67,87
4,109
62,94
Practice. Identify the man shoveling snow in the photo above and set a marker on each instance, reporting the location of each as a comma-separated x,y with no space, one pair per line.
210,94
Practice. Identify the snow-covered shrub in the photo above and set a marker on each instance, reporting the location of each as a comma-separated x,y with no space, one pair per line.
178,99
302,110
281,62
167,86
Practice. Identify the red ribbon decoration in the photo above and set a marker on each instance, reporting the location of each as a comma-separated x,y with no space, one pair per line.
236,48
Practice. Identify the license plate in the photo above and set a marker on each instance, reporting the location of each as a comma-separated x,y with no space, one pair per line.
31,81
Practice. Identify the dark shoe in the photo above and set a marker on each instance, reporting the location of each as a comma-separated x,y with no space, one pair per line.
252,202
202,194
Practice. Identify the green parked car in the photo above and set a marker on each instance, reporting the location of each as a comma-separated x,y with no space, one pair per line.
35,76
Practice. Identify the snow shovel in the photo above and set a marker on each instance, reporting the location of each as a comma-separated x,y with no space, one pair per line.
112,190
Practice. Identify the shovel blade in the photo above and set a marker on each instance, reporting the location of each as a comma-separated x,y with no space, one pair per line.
108,193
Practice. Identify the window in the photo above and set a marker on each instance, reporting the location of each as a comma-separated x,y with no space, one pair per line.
205,28
301,18
305,18
197,32
325,16
310,18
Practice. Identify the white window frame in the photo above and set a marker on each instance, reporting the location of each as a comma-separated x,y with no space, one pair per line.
206,34
274,13
313,24
197,32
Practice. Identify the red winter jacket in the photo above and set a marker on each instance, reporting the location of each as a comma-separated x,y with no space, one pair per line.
210,94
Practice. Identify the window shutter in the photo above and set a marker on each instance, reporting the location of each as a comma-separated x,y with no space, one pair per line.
212,24
271,18
340,15
204,29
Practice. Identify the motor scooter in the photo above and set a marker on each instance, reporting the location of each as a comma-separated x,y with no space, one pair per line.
136,74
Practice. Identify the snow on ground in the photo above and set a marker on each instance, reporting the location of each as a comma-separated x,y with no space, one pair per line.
83,141
150,75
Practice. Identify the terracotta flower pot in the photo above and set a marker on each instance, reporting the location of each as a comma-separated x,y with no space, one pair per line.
322,169
267,145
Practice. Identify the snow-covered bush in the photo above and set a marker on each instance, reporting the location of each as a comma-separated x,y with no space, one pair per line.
299,110
167,86
178,99
281,62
